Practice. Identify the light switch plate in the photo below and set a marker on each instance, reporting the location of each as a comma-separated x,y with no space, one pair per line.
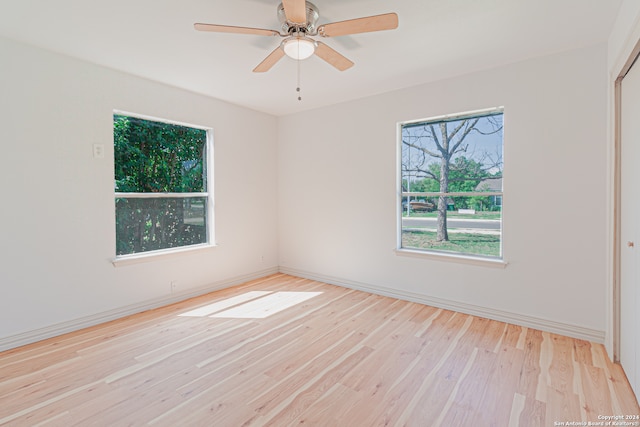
98,151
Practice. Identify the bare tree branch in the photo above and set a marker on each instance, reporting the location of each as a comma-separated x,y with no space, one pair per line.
464,135
435,139
422,149
457,129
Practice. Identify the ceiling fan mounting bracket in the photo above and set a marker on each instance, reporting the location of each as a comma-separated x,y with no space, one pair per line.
309,27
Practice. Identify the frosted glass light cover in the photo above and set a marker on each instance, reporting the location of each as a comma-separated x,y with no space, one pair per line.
299,48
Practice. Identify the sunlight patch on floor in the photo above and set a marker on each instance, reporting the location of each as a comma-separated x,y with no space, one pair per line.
252,305
224,304
268,305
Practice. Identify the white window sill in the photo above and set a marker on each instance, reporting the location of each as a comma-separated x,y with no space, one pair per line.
123,260
462,259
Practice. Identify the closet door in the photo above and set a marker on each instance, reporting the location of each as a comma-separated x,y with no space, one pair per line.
629,227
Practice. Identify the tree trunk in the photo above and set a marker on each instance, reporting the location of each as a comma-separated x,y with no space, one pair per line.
443,234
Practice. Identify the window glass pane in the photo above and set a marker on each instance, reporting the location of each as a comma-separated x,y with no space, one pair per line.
463,155
144,224
157,157
473,223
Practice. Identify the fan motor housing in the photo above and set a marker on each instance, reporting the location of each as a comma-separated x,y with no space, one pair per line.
308,28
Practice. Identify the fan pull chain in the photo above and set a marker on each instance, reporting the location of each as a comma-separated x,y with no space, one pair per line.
298,88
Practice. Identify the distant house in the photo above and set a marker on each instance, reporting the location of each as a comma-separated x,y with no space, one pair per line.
491,184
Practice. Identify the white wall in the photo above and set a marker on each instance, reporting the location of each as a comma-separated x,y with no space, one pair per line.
321,186
57,213
337,194
624,35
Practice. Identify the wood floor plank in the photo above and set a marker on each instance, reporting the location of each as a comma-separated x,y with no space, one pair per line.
595,392
406,390
622,401
562,406
530,373
305,373
294,405
465,408
582,351
324,411
436,402
339,358
514,336
517,407
378,381
534,414
502,386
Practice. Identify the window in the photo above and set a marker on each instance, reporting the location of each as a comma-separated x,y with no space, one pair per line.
161,184
451,184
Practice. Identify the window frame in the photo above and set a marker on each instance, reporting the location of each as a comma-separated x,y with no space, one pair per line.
474,259
208,195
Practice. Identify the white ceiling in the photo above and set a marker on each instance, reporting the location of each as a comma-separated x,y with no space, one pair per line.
435,39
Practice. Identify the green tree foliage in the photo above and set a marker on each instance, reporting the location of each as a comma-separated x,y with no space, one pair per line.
464,176
155,157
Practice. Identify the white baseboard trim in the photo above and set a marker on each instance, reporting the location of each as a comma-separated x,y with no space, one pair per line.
489,313
85,322
574,331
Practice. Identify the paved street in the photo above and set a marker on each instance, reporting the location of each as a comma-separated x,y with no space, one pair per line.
470,223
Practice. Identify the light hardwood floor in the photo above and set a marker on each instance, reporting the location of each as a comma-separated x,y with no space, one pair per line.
333,357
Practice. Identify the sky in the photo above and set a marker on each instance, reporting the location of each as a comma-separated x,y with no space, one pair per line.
484,143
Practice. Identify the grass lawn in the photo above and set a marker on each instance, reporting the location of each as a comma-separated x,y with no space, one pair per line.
465,243
453,214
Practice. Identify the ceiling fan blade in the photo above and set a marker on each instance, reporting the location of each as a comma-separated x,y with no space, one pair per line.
269,61
295,11
333,57
236,30
387,21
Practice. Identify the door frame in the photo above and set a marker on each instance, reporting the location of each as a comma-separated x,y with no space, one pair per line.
617,202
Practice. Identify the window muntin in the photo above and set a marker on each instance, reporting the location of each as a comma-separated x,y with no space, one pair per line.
451,184
161,184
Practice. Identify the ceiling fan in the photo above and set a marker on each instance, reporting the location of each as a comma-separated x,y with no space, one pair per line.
298,20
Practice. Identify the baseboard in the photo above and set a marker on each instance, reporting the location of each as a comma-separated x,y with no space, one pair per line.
573,331
85,322
489,313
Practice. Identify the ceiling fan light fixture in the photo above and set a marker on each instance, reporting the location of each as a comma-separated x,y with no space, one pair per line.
299,47
298,23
